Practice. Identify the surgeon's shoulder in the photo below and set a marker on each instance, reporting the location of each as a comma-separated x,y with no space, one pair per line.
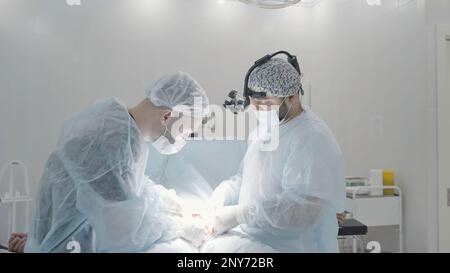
316,134
102,128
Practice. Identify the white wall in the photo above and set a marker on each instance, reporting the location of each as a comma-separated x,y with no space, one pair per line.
386,63
369,76
438,12
369,69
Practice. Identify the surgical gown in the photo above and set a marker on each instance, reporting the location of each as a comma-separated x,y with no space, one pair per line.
93,195
293,193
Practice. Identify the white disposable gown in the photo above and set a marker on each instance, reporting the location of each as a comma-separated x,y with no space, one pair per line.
93,195
292,193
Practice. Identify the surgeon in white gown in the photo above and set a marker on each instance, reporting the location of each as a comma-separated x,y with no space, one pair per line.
94,196
283,199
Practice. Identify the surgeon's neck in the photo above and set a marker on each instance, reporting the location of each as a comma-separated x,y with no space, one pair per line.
147,118
296,110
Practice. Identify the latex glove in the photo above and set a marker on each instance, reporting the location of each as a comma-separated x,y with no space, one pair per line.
17,242
226,218
218,197
195,230
170,202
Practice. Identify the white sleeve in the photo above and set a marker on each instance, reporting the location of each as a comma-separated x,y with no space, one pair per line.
310,185
123,221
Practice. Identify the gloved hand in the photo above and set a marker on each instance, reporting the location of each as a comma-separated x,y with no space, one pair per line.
225,219
170,202
194,230
228,217
219,197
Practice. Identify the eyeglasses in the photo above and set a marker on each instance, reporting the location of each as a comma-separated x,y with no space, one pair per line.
257,95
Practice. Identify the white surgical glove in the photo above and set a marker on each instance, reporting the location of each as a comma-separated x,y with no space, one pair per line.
219,196
170,202
227,218
194,230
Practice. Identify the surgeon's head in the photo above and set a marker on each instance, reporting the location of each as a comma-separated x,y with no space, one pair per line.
281,84
173,109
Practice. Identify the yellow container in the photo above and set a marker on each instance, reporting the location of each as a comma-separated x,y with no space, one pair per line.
389,180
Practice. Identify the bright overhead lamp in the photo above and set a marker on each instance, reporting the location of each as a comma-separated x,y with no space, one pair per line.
271,4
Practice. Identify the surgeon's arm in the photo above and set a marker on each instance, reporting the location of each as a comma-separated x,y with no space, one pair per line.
285,212
123,220
178,222
168,199
227,193
308,186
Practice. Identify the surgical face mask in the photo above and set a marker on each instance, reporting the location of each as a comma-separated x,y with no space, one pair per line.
268,119
163,145
272,118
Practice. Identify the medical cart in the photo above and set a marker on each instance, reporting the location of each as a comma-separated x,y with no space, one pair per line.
377,211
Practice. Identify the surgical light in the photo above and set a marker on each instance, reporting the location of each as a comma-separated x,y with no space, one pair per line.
271,4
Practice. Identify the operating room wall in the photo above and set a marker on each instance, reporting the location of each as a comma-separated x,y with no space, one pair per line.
365,66
438,13
369,82
56,58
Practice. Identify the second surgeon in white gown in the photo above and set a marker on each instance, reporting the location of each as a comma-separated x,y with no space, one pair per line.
284,200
